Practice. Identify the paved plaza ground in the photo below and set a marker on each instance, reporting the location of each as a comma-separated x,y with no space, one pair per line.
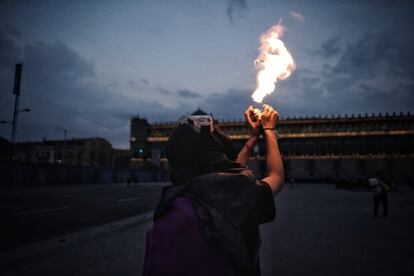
319,230
39,213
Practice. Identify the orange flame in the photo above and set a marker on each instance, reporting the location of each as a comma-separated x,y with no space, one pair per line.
274,62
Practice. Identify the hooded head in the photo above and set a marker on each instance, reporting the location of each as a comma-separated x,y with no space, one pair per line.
197,148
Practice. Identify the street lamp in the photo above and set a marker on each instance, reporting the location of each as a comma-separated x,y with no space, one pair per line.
14,124
18,111
65,131
16,92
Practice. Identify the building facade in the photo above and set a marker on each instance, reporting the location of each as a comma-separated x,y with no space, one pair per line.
94,152
350,147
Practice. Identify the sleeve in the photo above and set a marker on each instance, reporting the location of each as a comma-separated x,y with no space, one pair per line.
264,208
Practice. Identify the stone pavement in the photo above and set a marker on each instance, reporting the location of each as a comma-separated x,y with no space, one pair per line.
39,213
319,230
111,249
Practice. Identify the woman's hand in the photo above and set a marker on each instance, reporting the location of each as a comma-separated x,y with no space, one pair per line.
269,117
254,126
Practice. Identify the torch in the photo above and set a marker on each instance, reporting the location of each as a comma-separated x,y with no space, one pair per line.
273,63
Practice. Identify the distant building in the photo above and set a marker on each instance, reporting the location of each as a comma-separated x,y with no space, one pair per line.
121,158
95,152
350,147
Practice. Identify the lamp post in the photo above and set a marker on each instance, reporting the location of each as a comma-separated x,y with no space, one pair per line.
10,149
14,122
14,125
16,92
65,132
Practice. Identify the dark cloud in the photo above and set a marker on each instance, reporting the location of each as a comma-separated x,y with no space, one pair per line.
230,104
185,93
144,81
12,31
182,93
374,54
157,112
56,61
61,89
344,94
164,91
140,84
383,3
379,99
235,8
132,83
10,53
372,74
330,48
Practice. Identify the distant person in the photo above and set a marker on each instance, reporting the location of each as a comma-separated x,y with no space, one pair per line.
207,221
292,182
129,180
381,189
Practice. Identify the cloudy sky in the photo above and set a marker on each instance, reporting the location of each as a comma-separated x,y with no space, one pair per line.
90,65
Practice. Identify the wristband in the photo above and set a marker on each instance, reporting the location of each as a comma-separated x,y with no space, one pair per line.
274,129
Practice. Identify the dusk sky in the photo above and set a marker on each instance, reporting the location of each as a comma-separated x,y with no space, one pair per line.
88,66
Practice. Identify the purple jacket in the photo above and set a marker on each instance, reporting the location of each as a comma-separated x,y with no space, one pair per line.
175,246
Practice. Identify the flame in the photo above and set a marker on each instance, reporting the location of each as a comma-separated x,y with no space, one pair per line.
274,62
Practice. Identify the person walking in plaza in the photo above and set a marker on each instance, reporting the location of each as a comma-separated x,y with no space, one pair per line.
381,189
207,221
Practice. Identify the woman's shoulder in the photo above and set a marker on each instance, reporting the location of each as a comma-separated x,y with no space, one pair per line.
241,175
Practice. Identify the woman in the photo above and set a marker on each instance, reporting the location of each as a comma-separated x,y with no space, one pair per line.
206,222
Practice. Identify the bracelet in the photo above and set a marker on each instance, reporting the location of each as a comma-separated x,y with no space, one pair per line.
274,129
